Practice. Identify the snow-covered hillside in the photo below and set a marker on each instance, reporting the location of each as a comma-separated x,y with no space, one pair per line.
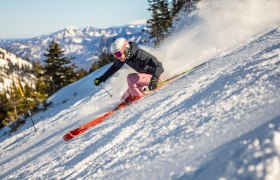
220,121
85,44
12,69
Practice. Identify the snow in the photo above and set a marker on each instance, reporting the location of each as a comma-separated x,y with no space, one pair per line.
7,78
274,163
14,59
220,121
215,28
3,63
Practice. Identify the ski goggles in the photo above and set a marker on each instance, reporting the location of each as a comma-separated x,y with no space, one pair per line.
118,54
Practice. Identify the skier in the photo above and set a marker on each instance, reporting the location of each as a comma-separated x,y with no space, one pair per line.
148,69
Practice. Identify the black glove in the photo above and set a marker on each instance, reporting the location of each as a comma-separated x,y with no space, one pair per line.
153,83
98,81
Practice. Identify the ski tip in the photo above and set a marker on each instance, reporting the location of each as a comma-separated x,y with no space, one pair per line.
67,137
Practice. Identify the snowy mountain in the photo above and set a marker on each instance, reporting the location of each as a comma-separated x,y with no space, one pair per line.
14,68
85,44
220,121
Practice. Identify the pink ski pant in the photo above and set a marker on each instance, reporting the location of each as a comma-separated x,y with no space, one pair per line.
136,82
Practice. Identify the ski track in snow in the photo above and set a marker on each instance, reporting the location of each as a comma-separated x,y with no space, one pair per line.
221,120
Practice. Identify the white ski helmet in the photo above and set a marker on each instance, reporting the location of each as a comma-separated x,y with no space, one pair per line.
118,48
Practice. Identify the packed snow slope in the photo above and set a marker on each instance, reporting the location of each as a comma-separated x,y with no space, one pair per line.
221,120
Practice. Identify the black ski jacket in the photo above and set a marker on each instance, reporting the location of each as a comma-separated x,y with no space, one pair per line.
139,60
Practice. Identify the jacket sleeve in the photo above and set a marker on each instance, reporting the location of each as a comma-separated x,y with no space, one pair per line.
112,70
157,68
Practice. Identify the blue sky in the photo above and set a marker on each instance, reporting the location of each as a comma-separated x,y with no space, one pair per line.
31,18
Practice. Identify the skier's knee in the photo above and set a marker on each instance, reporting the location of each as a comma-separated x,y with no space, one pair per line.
132,78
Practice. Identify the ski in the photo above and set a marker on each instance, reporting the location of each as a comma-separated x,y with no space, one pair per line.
80,130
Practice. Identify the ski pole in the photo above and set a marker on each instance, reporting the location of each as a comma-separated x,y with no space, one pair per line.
32,120
106,91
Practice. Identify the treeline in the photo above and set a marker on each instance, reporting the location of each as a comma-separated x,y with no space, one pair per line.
57,72
14,105
104,58
163,13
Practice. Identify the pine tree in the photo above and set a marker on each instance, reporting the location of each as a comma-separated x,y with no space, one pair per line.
163,14
178,5
29,100
81,73
59,71
104,58
160,21
10,106
41,86
5,107
17,99
94,67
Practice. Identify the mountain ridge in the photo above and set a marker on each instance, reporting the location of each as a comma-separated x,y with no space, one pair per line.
84,44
